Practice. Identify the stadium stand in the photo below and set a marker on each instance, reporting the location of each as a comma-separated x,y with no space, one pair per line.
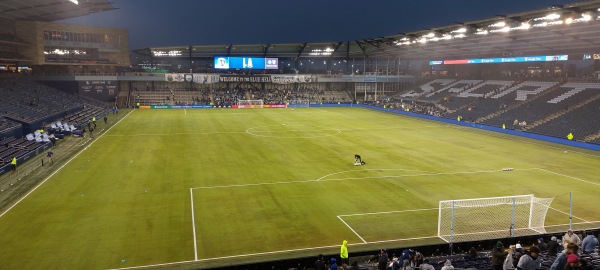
225,97
545,107
31,108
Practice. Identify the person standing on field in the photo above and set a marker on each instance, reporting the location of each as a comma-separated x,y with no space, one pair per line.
13,164
50,155
344,253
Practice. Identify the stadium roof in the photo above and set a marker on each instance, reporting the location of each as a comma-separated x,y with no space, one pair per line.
51,10
564,29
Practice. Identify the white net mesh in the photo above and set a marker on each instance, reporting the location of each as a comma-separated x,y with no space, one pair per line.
489,218
258,103
299,103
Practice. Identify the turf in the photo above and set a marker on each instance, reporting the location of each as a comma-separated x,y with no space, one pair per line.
270,180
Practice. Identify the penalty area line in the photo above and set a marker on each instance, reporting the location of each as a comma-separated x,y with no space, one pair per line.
59,168
312,248
389,212
575,178
356,178
342,220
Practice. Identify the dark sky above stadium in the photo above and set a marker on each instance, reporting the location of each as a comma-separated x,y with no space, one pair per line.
154,23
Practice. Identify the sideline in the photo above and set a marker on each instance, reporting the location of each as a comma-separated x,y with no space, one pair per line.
59,168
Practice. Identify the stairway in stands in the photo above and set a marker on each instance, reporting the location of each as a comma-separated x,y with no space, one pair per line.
559,113
592,137
519,104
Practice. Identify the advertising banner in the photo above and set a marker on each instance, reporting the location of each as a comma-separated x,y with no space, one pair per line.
175,77
200,78
275,106
245,78
289,79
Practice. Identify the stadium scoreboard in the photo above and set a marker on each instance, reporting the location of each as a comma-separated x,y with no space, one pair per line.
224,62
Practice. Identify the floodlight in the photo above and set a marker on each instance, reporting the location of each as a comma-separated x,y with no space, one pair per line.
568,20
498,24
525,25
430,35
586,17
74,2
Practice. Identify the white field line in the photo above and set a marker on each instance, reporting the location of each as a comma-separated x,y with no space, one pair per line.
370,170
194,224
339,130
403,239
184,111
59,168
307,249
563,212
152,265
389,212
575,178
574,223
355,178
341,219
283,131
257,184
176,134
494,231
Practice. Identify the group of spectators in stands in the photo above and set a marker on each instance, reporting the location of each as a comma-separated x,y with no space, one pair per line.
569,253
411,106
565,253
227,97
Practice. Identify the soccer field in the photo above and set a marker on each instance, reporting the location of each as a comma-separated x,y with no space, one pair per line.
222,186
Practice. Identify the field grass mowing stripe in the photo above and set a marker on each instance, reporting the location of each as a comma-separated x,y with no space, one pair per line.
563,212
518,139
574,223
176,134
389,212
358,178
153,265
321,178
313,248
59,168
575,178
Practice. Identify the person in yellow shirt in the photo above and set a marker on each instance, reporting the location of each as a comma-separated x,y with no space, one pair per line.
344,253
13,164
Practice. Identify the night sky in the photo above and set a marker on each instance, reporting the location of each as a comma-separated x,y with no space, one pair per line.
154,23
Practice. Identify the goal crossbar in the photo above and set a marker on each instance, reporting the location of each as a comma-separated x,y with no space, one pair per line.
494,217
250,104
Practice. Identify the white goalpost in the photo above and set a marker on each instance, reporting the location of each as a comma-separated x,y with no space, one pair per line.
299,103
252,104
489,218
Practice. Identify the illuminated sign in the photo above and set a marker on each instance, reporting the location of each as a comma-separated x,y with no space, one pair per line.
223,62
548,58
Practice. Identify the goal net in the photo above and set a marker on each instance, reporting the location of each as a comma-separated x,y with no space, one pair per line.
299,103
252,104
490,218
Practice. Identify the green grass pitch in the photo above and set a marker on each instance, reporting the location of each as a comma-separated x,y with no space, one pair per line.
214,187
